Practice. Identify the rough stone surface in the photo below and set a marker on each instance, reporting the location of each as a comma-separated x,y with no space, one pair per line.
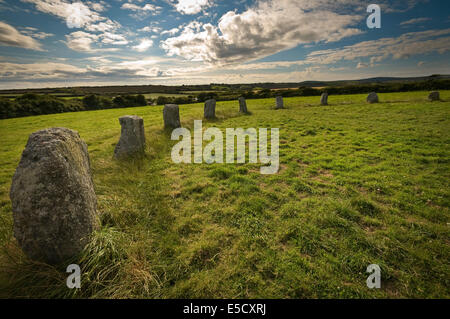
132,137
372,98
53,198
242,105
171,115
434,96
280,103
210,109
324,99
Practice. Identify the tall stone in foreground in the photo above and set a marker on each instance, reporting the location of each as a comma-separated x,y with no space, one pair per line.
171,114
372,98
242,105
132,137
53,198
434,96
324,99
210,109
280,103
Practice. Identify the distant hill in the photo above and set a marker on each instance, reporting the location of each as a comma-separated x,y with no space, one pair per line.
142,89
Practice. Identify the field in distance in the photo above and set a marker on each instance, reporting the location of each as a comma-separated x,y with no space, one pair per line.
359,184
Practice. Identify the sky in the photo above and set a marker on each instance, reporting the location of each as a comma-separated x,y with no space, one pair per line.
61,43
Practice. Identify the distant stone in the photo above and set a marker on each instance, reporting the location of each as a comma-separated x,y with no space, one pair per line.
132,137
53,198
434,96
242,105
171,115
280,103
210,109
324,99
372,98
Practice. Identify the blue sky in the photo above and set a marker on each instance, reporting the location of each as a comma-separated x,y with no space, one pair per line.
54,43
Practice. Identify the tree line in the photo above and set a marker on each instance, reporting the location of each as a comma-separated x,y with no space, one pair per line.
39,104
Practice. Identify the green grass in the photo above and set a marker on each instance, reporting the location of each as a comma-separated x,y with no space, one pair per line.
359,184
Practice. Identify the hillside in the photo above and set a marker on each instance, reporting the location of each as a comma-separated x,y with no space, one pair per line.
359,184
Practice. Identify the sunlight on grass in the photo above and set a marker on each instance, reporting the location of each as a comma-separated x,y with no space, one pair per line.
359,184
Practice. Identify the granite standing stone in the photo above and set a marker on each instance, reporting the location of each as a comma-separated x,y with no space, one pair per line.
171,115
53,198
280,103
132,137
242,105
434,96
372,98
324,99
210,109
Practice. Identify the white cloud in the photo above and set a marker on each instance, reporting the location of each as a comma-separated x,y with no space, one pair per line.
269,27
112,38
415,21
34,33
192,6
76,14
9,36
171,31
404,46
144,45
134,7
38,70
81,41
151,29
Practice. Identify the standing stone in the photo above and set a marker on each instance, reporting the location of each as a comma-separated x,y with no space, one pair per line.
324,99
434,96
243,105
132,137
210,109
372,98
171,114
280,104
53,198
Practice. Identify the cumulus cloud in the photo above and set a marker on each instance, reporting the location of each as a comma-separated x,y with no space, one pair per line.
86,16
76,14
10,36
82,41
192,6
134,7
141,12
269,27
171,31
404,46
150,29
144,45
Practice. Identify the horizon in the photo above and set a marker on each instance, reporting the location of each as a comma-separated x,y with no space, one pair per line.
64,44
206,84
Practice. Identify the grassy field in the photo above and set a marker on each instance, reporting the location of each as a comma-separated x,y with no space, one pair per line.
359,184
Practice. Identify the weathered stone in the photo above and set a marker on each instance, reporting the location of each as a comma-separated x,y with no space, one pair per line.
434,96
53,198
210,109
324,99
280,103
132,137
372,98
242,105
171,115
